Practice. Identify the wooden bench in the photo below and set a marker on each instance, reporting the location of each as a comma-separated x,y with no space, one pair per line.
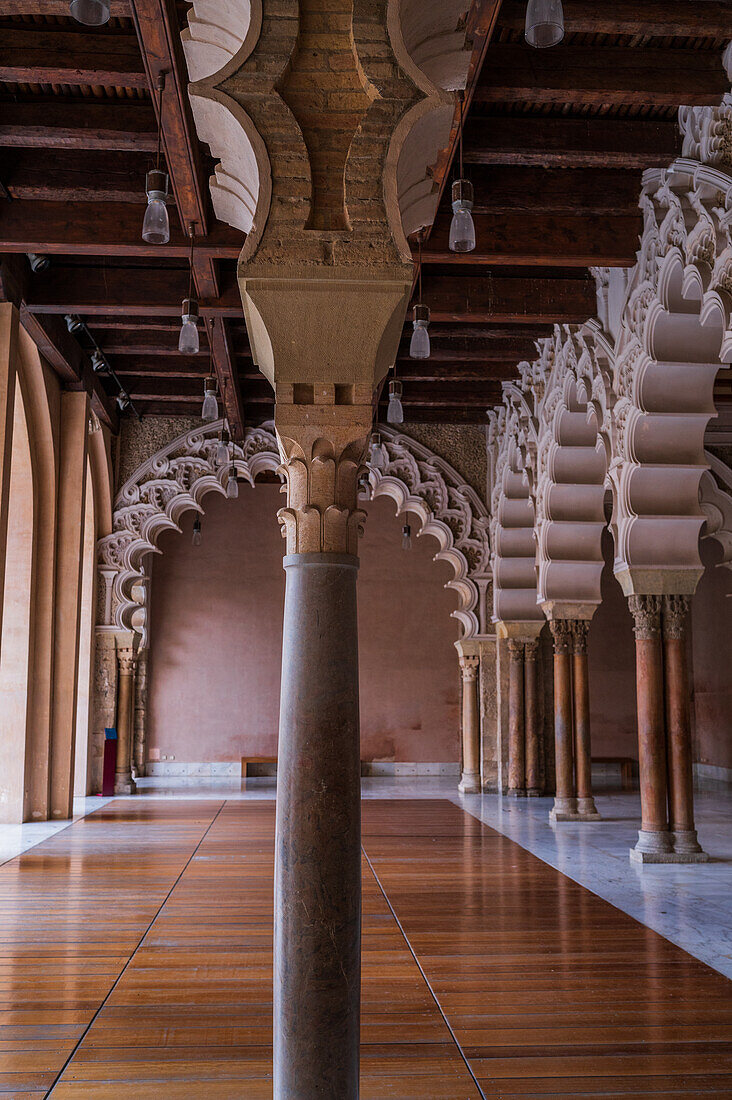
627,768
247,760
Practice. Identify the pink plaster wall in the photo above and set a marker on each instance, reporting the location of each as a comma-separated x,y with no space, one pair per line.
216,633
711,628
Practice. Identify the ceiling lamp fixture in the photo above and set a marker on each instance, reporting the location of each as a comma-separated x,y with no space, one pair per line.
92,13
462,227
419,346
222,448
99,363
123,401
232,485
155,225
407,536
197,532
210,410
38,262
188,342
395,410
544,23
378,457
74,323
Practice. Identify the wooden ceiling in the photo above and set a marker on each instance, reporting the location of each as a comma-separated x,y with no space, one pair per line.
555,144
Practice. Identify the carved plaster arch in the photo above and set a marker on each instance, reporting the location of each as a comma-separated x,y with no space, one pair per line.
715,500
176,479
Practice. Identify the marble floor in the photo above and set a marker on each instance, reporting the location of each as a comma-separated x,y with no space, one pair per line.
689,905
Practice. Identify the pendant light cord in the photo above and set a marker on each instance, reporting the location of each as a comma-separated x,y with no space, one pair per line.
190,263
419,268
460,132
161,86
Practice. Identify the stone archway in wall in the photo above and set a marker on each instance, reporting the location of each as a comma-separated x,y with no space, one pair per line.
178,477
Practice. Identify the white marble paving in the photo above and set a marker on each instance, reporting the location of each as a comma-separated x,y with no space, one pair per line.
16,839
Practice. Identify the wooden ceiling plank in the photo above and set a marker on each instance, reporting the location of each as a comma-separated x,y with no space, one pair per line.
75,176
653,18
601,75
86,125
509,300
119,9
101,59
513,189
126,294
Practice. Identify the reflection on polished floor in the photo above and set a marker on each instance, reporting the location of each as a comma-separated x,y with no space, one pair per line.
137,963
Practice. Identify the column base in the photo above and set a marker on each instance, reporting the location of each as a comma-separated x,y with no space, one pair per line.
515,793
637,856
124,784
469,783
653,847
586,808
564,809
687,843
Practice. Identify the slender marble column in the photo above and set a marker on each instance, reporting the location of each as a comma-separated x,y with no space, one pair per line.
531,718
581,699
678,728
654,838
470,779
516,736
565,801
140,722
123,775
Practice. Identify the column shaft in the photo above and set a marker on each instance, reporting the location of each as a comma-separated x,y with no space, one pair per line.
125,703
565,801
8,359
318,856
678,726
470,779
581,700
531,719
654,837
516,735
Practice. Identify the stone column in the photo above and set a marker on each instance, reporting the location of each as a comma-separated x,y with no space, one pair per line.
586,808
678,729
516,736
140,722
74,427
470,779
565,801
654,839
125,701
531,719
317,926
8,363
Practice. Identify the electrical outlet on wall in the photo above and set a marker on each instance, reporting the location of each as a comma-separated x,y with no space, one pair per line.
153,755
164,757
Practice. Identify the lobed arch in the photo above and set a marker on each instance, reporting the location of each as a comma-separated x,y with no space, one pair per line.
179,476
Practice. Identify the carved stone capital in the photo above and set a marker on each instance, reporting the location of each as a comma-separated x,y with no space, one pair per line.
675,615
469,668
562,634
321,464
580,629
127,661
531,649
646,612
516,649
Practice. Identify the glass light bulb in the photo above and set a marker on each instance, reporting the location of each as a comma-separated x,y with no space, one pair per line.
197,533
462,228
92,13
378,458
188,340
155,225
222,453
232,485
406,537
210,410
419,347
395,412
544,23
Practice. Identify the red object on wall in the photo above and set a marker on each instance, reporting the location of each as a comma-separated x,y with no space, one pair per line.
110,762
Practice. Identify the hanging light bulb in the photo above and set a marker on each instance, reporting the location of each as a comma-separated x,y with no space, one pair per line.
544,23
232,485
462,228
155,225
92,13
188,342
123,402
197,532
74,323
378,457
395,412
406,537
419,345
210,410
222,448
99,363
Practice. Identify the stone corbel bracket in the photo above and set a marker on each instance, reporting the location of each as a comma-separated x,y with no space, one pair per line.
262,104
715,500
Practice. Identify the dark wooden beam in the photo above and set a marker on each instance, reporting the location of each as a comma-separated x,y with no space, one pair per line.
650,19
119,9
549,240
570,142
227,375
410,370
106,229
80,125
442,414
103,59
489,300
504,189
181,366
75,175
601,76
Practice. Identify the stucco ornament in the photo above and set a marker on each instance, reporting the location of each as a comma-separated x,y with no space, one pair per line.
178,477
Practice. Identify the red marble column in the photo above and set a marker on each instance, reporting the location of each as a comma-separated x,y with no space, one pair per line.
678,727
581,700
531,718
654,838
565,801
516,743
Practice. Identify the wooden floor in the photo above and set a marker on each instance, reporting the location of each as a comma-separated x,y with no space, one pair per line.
136,963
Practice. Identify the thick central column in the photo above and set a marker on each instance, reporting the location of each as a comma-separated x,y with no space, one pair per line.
586,808
318,837
516,737
531,719
565,801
